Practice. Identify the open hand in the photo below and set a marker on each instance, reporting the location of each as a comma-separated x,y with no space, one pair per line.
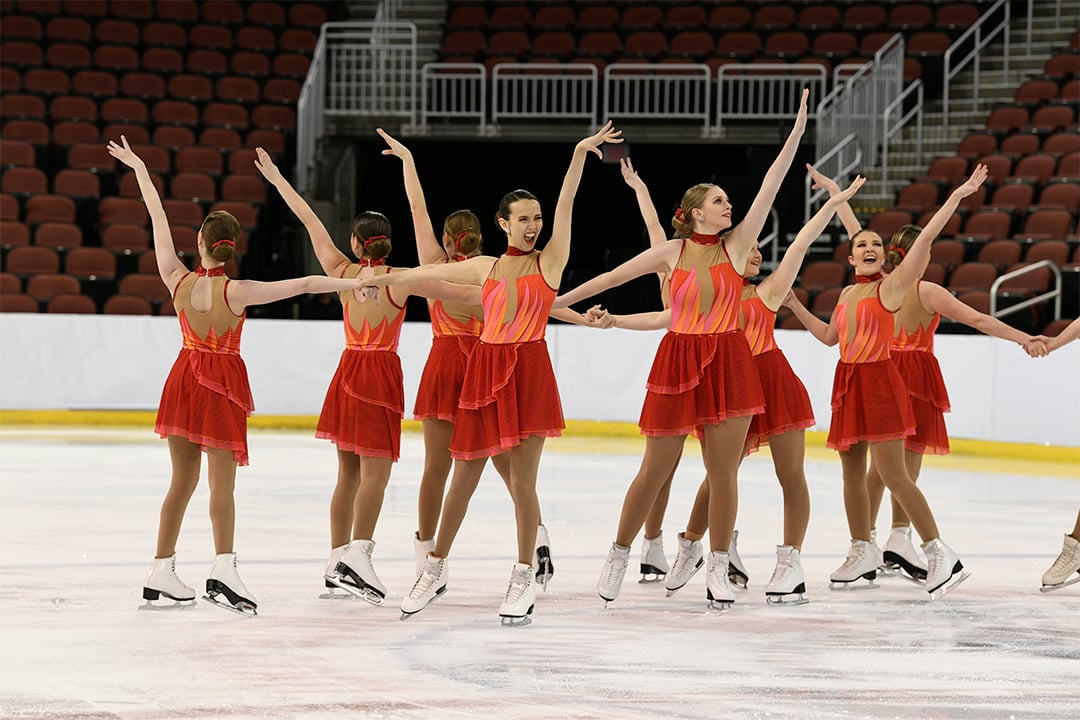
606,134
266,166
124,153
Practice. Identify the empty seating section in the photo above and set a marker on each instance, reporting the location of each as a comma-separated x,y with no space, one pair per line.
193,86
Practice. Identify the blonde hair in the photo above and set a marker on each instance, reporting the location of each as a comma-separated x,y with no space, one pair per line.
693,199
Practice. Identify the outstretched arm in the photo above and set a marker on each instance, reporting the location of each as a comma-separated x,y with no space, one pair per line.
644,321
428,247
937,299
844,212
170,268
776,286
244,293
468,272
1066,336
917,258
654,260
746,233
332,260
825,332
593,317
557,251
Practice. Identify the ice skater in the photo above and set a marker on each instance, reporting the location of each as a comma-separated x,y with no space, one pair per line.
206,399
509,400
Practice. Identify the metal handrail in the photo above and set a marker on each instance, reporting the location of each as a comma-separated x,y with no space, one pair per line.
950,71
1041,298
310,115
887,133
811,197
772,239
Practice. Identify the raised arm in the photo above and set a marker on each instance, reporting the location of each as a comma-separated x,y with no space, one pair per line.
844,212
244,293
654,260
917,257
428,247
557,251
657,236
825,332
332,260
170,268
776,286
746,233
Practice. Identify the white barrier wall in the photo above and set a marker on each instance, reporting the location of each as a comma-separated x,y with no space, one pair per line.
120,363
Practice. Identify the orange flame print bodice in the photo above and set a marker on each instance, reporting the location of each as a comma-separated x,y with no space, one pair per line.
915,326
704,291
757,321
516,300
453,319
216,330
864,324
371,325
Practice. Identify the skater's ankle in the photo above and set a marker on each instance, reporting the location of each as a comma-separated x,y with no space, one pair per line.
691,536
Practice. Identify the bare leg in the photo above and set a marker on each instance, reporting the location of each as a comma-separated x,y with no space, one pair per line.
889,458
788,454
462,486
186,460
437,466
722,451
524,463
221,465
374,476
661,454
344,498
698,524
654,521
856,498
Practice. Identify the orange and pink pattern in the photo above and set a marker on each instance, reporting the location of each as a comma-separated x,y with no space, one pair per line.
455,319
225,343
520,319
383,336
865,326
758,322
705,306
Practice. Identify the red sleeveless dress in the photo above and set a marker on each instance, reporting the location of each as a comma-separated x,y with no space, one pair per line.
869,400
206,398
913,352
366,399
787,404
703,372
456,328
509,391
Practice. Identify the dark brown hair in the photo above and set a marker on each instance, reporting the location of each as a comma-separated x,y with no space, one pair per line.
464,228
851,240
901,242
370,224
509,199
220,233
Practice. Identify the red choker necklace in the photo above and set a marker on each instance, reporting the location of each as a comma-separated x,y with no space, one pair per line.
369,262
868,278
218,271
516,251
704,239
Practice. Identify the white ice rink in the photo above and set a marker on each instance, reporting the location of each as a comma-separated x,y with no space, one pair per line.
78,515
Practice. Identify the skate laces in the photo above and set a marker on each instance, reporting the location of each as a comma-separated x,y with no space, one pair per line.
784,568
856,555
1064,561
423,583
519,582
614,568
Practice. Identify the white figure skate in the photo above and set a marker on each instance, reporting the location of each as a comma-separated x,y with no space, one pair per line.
944,569
654,564
787,580
545,569
516,609
1066,569
162,580
356,574
611,576
688,561
430,586
717,582
900,557
225,589
861,563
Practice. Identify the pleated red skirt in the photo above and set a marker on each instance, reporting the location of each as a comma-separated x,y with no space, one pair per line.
787,404
929,399
869,402
207,400
508,394
699,380
440,383
364,405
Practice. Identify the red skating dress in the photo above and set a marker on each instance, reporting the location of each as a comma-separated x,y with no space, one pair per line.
456,328
509,392
366,399
869,399
703,372
913,352
787,404
206,398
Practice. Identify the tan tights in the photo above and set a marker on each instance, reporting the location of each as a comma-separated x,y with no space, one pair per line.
358,497
186,462
876,487
889,459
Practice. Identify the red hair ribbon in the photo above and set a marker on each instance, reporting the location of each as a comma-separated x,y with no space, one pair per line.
902,251
373,238
223,241
457,241
679,215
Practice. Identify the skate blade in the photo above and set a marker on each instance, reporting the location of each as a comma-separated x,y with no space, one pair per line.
950,584
739,581
517,620
853,585
171,607
545,569
721,605
904,572
245,609
365,594
1067,583
648,578
776,600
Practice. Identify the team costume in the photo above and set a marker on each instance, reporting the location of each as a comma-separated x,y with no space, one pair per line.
456,328
913,352
787,404
509,392
869,400
366,399
703,372
207,399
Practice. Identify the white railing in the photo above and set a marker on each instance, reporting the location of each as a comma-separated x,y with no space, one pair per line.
650,92
890,129
742,93
858,104
371,69
838,163
1037,300
549,91
989,26
455,91
309,117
